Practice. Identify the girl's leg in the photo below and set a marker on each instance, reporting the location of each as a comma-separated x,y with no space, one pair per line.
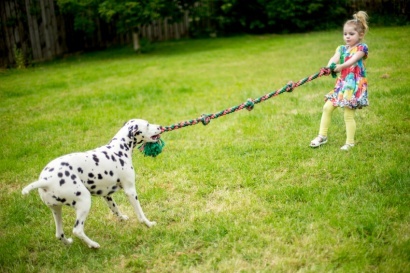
328,109
350,125
321,139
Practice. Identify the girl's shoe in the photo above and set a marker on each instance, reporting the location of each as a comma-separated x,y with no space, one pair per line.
347,147
318,141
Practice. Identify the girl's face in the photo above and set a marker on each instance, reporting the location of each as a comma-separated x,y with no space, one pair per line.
351,36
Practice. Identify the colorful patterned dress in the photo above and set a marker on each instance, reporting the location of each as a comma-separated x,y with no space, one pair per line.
351,86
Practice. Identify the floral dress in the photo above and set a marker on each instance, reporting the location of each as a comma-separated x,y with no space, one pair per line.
351,86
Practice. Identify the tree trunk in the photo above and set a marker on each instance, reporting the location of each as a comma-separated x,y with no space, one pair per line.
136,41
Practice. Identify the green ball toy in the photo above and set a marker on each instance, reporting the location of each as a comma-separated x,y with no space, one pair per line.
152,148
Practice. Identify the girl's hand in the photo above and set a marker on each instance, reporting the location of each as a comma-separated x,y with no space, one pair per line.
338,68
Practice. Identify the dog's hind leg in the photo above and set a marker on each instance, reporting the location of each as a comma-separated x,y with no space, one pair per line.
114,208
133,198
82,209
59,225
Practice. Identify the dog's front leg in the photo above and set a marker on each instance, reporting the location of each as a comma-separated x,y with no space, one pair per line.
132,196
114,208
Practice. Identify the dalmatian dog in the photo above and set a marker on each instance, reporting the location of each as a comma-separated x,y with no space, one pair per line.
72,179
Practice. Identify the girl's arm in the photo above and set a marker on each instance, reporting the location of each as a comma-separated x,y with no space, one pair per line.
335,58
356,57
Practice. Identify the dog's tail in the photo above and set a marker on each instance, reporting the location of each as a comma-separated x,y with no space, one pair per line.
35,185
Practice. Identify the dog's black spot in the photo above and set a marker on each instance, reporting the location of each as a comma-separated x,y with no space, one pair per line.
99,192
62,236
122,162
80,170
95,158
114,187
93,187
92,192
67,173
78,193
90,175
64,164
122,146
73,203
62,181
73,176
136,197
109,198
106,154
118,181
123,139
113,158
62,200
106,172
76,223
127,146
90,181
100,176
52,169
111,192
67,204
111,173
108,147
60,174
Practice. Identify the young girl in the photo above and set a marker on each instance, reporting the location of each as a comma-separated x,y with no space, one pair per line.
350,91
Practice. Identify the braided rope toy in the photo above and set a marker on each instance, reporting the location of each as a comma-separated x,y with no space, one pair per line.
155,148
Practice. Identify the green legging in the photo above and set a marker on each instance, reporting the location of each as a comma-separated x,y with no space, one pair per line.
328,109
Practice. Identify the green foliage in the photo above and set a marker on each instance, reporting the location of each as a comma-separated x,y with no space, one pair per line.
84,13
19,58
129,15
289,16
242,194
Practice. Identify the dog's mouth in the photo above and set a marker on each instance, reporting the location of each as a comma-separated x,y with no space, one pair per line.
156,137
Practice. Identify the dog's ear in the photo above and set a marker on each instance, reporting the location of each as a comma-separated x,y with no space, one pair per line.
133,131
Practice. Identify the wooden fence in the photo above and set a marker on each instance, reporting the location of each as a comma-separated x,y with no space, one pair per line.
37,31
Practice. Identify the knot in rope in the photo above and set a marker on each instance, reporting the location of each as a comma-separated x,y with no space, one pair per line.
290,86
205,119
329,70
249,104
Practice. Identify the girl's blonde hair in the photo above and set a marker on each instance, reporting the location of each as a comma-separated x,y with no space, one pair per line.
359,22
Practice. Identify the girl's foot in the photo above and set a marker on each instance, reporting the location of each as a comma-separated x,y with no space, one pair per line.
347,147
318,141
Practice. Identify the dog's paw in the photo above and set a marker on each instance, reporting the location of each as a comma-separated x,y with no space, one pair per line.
123,217
150,224
67,241
94,245
25,191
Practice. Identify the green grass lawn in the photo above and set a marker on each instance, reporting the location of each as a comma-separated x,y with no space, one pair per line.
242,194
